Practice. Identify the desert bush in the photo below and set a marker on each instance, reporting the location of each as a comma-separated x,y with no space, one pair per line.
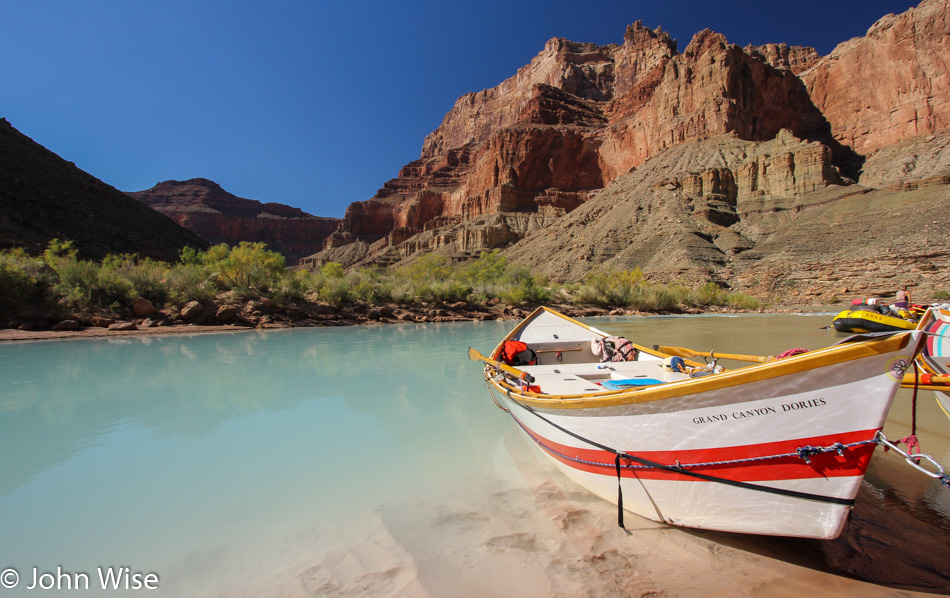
611,288
523,286
292,287
86,285
24,281
246,266
332,270
445,291
335,291
189,282
658,297
426,269
487,269
708,294
741,301
147,277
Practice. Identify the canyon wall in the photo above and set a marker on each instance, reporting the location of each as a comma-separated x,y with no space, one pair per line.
563,127
890,85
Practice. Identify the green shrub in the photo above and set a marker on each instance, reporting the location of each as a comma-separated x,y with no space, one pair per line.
332,270
147,277
488,268
249,270
24,281
741,301
611,289
428,268
334,291
708,294
247,266
292,287
941,295
189,282
86,285
444,291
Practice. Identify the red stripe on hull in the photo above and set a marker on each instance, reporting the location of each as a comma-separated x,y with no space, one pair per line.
853,462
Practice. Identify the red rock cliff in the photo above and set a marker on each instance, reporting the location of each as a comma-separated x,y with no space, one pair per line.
890,85
580,115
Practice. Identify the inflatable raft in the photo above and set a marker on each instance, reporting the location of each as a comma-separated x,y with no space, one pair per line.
865,320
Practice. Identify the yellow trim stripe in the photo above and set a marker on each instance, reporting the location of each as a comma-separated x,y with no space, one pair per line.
755,373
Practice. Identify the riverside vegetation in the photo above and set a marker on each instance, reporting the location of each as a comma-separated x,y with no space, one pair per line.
251,285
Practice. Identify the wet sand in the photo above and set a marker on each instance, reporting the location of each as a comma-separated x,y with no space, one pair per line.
540,536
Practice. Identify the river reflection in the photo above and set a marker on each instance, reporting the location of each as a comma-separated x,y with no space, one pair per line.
218,459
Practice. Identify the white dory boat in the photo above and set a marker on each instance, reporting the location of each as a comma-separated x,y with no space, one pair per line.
776,448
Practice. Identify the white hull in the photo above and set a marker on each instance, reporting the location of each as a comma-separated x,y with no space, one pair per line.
740,431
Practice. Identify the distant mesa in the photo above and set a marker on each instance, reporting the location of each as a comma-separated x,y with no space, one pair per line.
206,209
44,197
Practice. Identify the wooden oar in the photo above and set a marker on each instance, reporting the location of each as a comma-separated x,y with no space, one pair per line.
925,380
684,352
476,356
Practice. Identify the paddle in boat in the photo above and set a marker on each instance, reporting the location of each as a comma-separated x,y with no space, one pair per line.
777,448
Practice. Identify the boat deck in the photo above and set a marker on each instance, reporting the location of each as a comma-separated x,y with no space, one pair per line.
586,378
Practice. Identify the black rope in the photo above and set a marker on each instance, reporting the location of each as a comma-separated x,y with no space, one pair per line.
619,493
848,502
913,404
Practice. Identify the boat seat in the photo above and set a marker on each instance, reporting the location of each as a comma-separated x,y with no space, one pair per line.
571,351
585,378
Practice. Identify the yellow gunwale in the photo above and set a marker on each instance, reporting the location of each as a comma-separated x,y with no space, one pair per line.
754,373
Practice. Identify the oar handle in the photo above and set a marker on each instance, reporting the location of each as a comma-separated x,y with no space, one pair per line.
684,352
519,374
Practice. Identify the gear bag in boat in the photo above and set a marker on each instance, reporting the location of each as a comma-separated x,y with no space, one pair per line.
613,348
517,353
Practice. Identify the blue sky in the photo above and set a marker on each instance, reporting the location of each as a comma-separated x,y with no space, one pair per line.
309,103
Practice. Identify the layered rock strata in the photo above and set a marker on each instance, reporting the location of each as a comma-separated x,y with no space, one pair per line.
890,85
577,117
747,167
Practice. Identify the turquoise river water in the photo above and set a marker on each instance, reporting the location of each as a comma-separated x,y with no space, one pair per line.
368,461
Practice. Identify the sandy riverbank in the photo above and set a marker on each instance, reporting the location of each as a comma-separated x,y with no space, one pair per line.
540,536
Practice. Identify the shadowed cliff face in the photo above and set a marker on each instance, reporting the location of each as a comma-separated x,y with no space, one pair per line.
203,207
890,85
43,197
508,163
